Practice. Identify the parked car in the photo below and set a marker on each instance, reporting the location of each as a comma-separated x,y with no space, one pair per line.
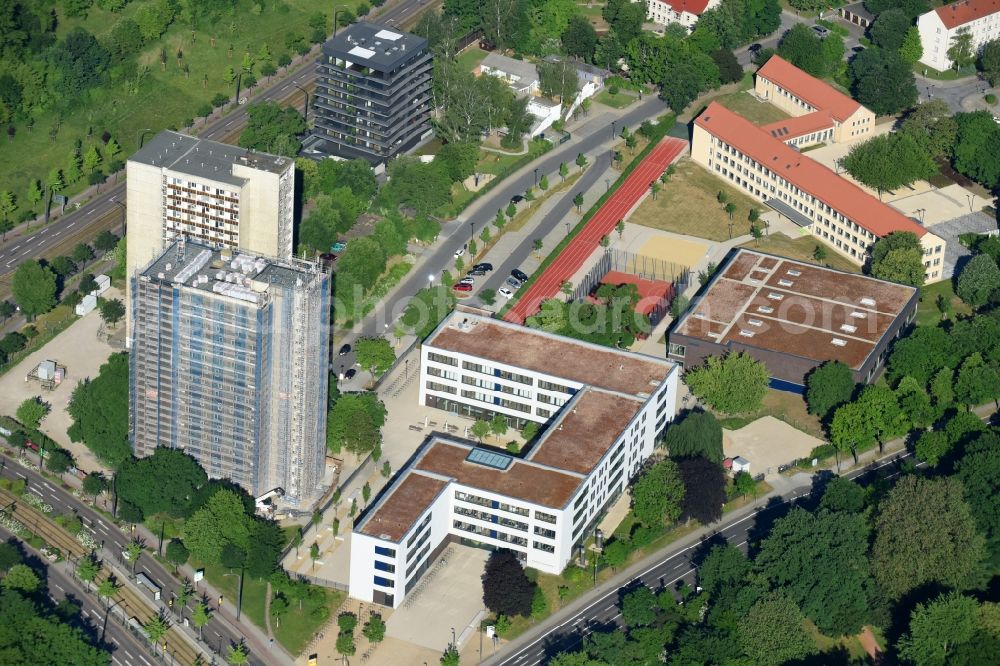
520,275
821,31
858,49
462,287
467,280
516,199
476,272
505,292
514,283
345,350
753,48
485,266
350,373
460,251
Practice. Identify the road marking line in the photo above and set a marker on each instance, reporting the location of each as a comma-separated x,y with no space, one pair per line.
91,211
70,225
15,247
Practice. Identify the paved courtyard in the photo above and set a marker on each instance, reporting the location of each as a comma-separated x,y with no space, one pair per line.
80,350
767,443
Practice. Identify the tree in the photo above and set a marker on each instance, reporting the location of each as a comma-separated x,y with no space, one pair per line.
924,533
355,423
962,52
94,484
177,553
657,494
21,577
374,629
911,50
112,311
105,241
733,384
883,81
915,402
827,387
498,425
581,160
59,461
558,78
889,161
87,570
842,495
697,434
989,61
938,626
201,615
168,481
979,472
772,632
107,589
8,204
450,657
273,129
480,430
63,266
375,354
578,201
802,47
931,446
238,654
820,561
890,29
976,382
979,279
898,257
506,588
81,254
704,489
931,124
579,38
34,288
976,147
31,412
639,607
222,521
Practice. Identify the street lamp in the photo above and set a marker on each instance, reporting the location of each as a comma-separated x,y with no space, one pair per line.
971,199
536,177
472,233
305,110
613,122
453,642
115,201
567,228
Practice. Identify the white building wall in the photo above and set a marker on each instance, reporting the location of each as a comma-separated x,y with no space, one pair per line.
936,38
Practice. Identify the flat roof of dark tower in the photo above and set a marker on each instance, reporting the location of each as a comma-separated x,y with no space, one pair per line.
372,45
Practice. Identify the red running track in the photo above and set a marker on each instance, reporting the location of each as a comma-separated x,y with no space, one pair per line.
601,224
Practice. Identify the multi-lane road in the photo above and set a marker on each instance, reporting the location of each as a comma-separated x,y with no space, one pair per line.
566,631
107,209
219,633
125,648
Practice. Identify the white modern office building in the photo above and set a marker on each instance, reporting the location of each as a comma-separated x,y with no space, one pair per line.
940,26
602,411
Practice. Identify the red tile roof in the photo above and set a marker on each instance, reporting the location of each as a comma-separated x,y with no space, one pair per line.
799,125
818,94
805,173
695,7
964,11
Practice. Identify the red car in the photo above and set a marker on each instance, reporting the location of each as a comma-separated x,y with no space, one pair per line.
462,287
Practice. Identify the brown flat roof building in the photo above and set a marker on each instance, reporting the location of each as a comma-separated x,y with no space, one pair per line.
792,316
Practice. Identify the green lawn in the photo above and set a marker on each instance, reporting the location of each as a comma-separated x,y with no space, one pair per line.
787,407
166,97
298,627
947,75
620,101
927,310
801,249
470,58
754,110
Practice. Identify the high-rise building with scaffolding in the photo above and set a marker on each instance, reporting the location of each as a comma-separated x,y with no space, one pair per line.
229,363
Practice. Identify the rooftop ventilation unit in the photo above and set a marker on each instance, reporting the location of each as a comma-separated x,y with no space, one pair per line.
746,334
847,328
838,342
870,302
793,272
766,309
785,283
755,322
857,314
774,296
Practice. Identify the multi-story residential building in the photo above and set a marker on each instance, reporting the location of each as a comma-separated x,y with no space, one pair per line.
831,208
602,409
939,28
793,316
210,192
820,112
373,93
229,364
685,12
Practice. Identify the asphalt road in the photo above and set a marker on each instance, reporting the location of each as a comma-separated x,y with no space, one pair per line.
125,648
219,634
588,141
19,249
604,612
